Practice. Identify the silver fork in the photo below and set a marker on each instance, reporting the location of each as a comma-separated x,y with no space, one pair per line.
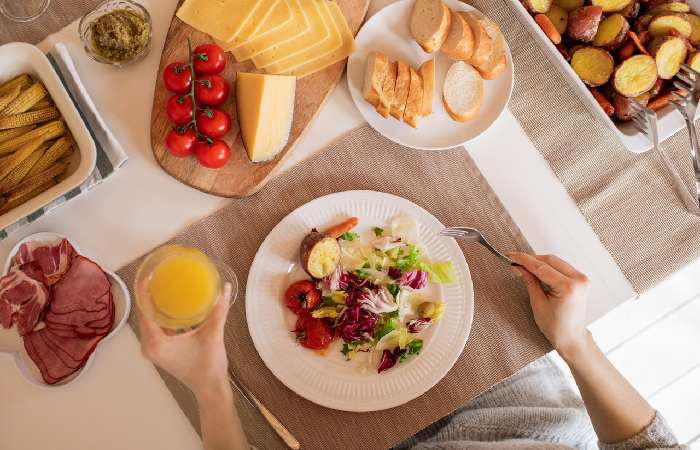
686,82
644,120
474,235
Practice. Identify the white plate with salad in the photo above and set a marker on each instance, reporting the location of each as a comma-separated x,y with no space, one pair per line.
355,303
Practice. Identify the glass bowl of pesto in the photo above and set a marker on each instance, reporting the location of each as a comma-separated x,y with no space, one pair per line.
117,32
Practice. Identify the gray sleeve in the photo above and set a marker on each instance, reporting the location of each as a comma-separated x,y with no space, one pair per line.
656,435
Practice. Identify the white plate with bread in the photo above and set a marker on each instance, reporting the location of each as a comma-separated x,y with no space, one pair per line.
430,74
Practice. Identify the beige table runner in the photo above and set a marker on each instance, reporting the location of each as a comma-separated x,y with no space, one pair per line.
625,197
59,14
503,339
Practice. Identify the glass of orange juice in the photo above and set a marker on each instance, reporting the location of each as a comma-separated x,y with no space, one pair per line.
178,286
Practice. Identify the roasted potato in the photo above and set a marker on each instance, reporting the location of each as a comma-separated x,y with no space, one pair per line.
537,6
319,254
622,105
695,28
593,65
632,10
662,24
657,88
669,52
694,61
583,23
635,75
612,31
664,6
559,18
612,5
642,23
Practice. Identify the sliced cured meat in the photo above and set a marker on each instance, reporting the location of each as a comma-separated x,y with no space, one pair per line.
82,287
52,368
29,347
23,297
79,349
54,260
62,354
77,317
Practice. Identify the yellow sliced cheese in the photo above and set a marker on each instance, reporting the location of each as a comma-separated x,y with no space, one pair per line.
298,25
317,34
261,10
275,14
332,43
222,19
265,106
333,57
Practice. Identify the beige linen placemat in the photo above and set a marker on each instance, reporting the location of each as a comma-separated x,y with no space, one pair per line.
59,14
625,197
503,338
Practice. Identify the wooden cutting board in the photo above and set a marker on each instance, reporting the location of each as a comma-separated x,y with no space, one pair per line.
239,177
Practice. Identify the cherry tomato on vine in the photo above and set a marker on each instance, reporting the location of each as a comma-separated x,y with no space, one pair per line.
181,144
211,90
212,155
302,296
177,78
208,59
179,109
213,122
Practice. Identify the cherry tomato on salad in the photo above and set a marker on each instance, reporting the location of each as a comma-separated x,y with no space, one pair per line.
213,122
181,143
211,90
179,109
212,155
177,78
302,296
312,333
208,59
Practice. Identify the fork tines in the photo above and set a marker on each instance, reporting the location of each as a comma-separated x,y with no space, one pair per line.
639,116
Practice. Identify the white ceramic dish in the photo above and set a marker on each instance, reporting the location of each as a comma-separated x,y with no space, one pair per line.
12,343
388,32
329,380
670,120
18,58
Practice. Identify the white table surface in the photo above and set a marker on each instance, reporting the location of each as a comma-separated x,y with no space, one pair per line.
121,401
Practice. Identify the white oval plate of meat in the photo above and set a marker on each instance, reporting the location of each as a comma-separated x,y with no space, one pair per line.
96,326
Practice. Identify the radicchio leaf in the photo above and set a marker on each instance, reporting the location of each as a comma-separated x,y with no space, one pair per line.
418,325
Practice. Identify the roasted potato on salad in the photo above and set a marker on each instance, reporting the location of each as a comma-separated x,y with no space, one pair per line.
623,50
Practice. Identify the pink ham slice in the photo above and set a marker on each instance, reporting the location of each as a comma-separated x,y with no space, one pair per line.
61,353
23,297
53,259
79,349
52,368
83,287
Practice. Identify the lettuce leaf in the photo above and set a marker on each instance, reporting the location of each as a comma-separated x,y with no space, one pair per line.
440,272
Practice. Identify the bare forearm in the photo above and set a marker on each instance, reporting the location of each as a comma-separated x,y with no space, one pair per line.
616,409
221,426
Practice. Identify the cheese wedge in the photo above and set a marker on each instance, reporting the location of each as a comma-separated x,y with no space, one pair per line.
300,24
333,43
222,19
265,106
316,35
262,10
342,52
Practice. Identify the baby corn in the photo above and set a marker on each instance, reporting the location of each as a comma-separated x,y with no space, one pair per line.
20,155
9,97
28,184
22,170
58,149
9,134
29,118
14,201
26,99
23,81
48,131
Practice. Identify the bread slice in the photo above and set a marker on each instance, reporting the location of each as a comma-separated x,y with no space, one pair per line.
430,22
494,72
403,80
427,74
460,40
375,70
493,65
387,97
483,44
414,102
463,91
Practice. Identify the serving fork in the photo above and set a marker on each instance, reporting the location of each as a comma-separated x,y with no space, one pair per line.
644,120
685,100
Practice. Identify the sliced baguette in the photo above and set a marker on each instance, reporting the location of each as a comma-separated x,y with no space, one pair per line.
414,102
495,71
375,71
430,23
403,80
463,91
493,66
483,44
387,97
460,40
427,74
